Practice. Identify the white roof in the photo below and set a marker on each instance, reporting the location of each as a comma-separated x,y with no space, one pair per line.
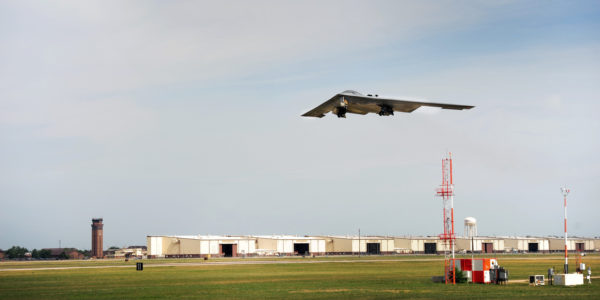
287,237
208,237
362,237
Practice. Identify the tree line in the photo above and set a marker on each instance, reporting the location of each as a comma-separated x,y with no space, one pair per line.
17,252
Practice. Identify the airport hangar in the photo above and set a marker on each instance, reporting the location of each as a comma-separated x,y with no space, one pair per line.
287,245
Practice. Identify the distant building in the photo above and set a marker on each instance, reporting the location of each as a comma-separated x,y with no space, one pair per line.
97,238
483,244
200,246
129,252
291,245
419,245
574,244
110,253
232,246
69,253
284,245
527,244
336,245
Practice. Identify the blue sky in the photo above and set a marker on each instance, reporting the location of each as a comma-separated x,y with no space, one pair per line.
184,117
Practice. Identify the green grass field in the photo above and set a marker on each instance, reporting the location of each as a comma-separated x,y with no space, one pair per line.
331,277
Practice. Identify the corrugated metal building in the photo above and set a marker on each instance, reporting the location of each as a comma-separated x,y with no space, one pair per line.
480,244
337,245
573,244
291,245
200,246
527,244
231,246
402,245
421,244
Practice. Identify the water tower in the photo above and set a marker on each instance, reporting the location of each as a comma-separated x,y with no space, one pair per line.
470,229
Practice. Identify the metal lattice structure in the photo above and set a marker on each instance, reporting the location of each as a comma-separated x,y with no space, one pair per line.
446,192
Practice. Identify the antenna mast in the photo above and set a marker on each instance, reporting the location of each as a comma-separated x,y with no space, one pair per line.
446,192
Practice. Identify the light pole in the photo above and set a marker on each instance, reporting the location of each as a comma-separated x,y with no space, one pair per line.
359,242
565,191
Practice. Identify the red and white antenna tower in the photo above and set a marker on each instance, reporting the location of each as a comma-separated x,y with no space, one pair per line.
565,191
446,192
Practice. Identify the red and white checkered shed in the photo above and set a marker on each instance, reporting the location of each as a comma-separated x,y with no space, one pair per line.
477,269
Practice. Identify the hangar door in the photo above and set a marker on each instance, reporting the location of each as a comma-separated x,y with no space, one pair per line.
487,247
430,248
373,248
533,247
228,250
580,247
301,249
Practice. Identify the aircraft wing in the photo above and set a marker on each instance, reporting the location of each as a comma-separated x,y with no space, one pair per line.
373,104
322,109
354,102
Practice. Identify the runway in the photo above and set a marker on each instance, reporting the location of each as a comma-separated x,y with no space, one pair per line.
242,261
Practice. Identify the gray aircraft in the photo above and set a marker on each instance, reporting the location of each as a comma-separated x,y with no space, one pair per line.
357,103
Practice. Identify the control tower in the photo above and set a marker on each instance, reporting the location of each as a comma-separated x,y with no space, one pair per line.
97,236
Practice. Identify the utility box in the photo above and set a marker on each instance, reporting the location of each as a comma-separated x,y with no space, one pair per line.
502,275
568,279
536,280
